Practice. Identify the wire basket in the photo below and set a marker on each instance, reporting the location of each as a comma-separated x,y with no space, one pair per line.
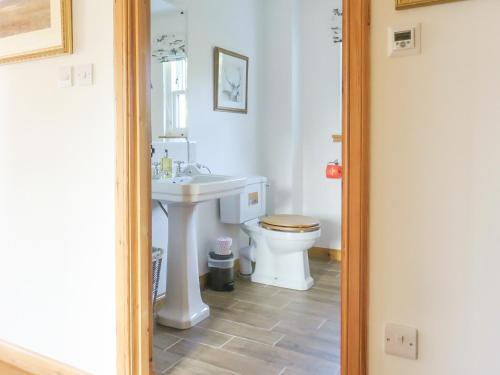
157,261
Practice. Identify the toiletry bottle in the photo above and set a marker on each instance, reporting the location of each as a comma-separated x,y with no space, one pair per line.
166,165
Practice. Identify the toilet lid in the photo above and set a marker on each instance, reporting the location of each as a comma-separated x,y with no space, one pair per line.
290,223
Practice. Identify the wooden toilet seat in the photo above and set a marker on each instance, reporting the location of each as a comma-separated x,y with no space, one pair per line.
290,223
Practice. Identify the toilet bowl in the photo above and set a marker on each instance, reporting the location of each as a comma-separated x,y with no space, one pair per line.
281,257
279,243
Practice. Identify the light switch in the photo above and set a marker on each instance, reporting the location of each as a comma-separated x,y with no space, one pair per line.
84,75
65,78
401,341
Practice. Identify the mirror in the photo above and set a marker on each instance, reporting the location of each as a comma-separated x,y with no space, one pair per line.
169,68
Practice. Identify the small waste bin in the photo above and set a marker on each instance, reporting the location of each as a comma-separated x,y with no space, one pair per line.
221,272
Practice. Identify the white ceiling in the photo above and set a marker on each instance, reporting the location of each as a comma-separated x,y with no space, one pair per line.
162,6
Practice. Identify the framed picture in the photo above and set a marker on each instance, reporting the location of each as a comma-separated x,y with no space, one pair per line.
32,29
230,81
405,4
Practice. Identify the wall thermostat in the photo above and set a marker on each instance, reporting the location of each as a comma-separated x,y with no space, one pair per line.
404,40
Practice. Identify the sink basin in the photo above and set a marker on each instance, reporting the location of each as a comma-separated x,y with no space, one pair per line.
184,307
197,188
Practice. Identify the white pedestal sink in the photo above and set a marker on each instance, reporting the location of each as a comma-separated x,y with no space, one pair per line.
184,307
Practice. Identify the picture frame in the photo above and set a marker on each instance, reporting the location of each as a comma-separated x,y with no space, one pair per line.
230,81
406,4
35,29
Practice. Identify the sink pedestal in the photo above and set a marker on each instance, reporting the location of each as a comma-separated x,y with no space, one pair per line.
183,307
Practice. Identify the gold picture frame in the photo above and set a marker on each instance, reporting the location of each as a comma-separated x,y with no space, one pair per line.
225,100
46,47
406,4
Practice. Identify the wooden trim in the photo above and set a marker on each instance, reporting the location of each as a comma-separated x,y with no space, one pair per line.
335,255
319,253
325,254
8,369
337,138
133,187
33,363
407,4
134,310
355,185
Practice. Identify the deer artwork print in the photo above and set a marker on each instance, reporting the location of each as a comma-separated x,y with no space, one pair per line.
233,77
230,81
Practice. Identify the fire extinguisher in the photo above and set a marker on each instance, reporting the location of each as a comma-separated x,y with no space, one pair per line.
334,170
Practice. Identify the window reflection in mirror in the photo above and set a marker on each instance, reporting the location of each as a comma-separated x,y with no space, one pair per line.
174,96
169,69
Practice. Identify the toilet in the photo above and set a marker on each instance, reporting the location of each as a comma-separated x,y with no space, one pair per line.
279,243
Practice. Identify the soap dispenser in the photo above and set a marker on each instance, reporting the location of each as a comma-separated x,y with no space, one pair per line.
166,165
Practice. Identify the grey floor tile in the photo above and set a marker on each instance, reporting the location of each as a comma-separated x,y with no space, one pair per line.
260,330
241,330
188,366
226,360
198,334
281,356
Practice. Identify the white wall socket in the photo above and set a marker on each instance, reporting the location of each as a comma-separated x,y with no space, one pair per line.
401,341
65,77
85,75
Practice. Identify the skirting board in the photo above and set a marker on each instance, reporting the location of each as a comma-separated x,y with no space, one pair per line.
34,363
9,370
324,253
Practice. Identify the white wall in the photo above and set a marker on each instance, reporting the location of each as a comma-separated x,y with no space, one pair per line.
302,103
226,142
292,114
321,103
57,283
281,152
435,183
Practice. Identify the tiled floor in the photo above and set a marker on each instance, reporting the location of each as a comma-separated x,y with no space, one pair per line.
260,330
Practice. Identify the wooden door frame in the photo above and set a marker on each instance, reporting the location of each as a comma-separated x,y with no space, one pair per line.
133,187
355,185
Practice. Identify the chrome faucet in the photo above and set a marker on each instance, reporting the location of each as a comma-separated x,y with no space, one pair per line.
178,170
155,171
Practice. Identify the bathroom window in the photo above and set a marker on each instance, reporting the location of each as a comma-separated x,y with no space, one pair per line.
174,94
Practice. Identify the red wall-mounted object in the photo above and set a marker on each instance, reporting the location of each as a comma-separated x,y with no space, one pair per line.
334,170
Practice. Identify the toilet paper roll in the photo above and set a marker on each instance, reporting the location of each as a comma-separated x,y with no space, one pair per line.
224,245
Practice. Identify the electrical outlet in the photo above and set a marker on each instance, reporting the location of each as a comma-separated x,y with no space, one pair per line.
85,75
401,341
65,77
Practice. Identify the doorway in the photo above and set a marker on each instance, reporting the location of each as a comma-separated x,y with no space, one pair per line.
134,187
